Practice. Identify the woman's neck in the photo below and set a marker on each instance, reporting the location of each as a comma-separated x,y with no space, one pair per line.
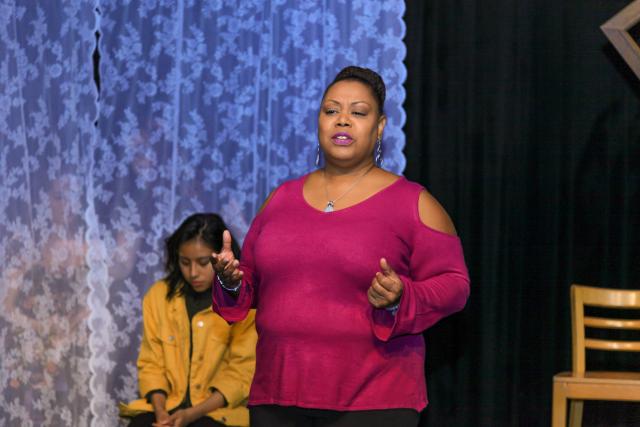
334,171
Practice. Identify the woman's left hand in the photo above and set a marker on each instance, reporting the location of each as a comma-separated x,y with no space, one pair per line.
386,287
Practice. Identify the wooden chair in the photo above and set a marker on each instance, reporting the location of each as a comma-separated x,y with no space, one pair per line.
580,384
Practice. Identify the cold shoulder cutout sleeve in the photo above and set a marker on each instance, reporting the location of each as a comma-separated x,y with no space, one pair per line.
433,215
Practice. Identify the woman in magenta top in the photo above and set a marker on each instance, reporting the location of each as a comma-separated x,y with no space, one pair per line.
347,266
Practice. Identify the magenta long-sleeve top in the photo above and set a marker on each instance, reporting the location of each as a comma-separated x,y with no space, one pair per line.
321,344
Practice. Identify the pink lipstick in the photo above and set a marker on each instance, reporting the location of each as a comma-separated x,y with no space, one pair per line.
342,138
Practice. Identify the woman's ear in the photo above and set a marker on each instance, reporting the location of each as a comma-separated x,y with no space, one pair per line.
382,122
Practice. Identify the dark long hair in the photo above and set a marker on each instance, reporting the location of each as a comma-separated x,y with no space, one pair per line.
207,227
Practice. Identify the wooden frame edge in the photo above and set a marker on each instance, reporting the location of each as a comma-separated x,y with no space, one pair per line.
617,31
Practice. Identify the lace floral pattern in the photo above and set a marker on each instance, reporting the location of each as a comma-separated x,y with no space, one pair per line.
201,106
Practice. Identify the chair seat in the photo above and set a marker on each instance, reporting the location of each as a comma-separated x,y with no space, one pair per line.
599,377
600,385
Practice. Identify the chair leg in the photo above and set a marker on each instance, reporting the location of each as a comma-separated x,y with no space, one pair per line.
575,414
559,407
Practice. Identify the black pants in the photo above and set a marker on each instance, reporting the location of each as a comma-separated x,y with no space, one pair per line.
291,416
148,418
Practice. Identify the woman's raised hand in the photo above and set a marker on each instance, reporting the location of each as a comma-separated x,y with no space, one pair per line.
386,287
225,263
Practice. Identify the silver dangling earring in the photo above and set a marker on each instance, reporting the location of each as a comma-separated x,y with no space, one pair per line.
318,155
378,153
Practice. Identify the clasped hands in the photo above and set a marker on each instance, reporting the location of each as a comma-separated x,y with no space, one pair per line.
180,418
385,290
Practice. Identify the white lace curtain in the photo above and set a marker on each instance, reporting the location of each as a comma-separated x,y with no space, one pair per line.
201,106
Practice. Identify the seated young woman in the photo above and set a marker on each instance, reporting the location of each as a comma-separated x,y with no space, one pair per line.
194,368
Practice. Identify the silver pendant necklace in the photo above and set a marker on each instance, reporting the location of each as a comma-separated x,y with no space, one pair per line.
332,202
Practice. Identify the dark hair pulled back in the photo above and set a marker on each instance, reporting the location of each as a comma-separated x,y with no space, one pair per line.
368,77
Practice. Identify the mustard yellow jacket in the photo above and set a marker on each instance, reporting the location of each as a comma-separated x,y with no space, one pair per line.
223,357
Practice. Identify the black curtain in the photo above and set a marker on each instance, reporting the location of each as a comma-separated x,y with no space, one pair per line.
525,123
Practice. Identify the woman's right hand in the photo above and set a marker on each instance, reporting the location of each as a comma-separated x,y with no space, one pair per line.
225,263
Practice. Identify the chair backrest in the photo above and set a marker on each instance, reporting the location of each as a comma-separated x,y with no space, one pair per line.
582,296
